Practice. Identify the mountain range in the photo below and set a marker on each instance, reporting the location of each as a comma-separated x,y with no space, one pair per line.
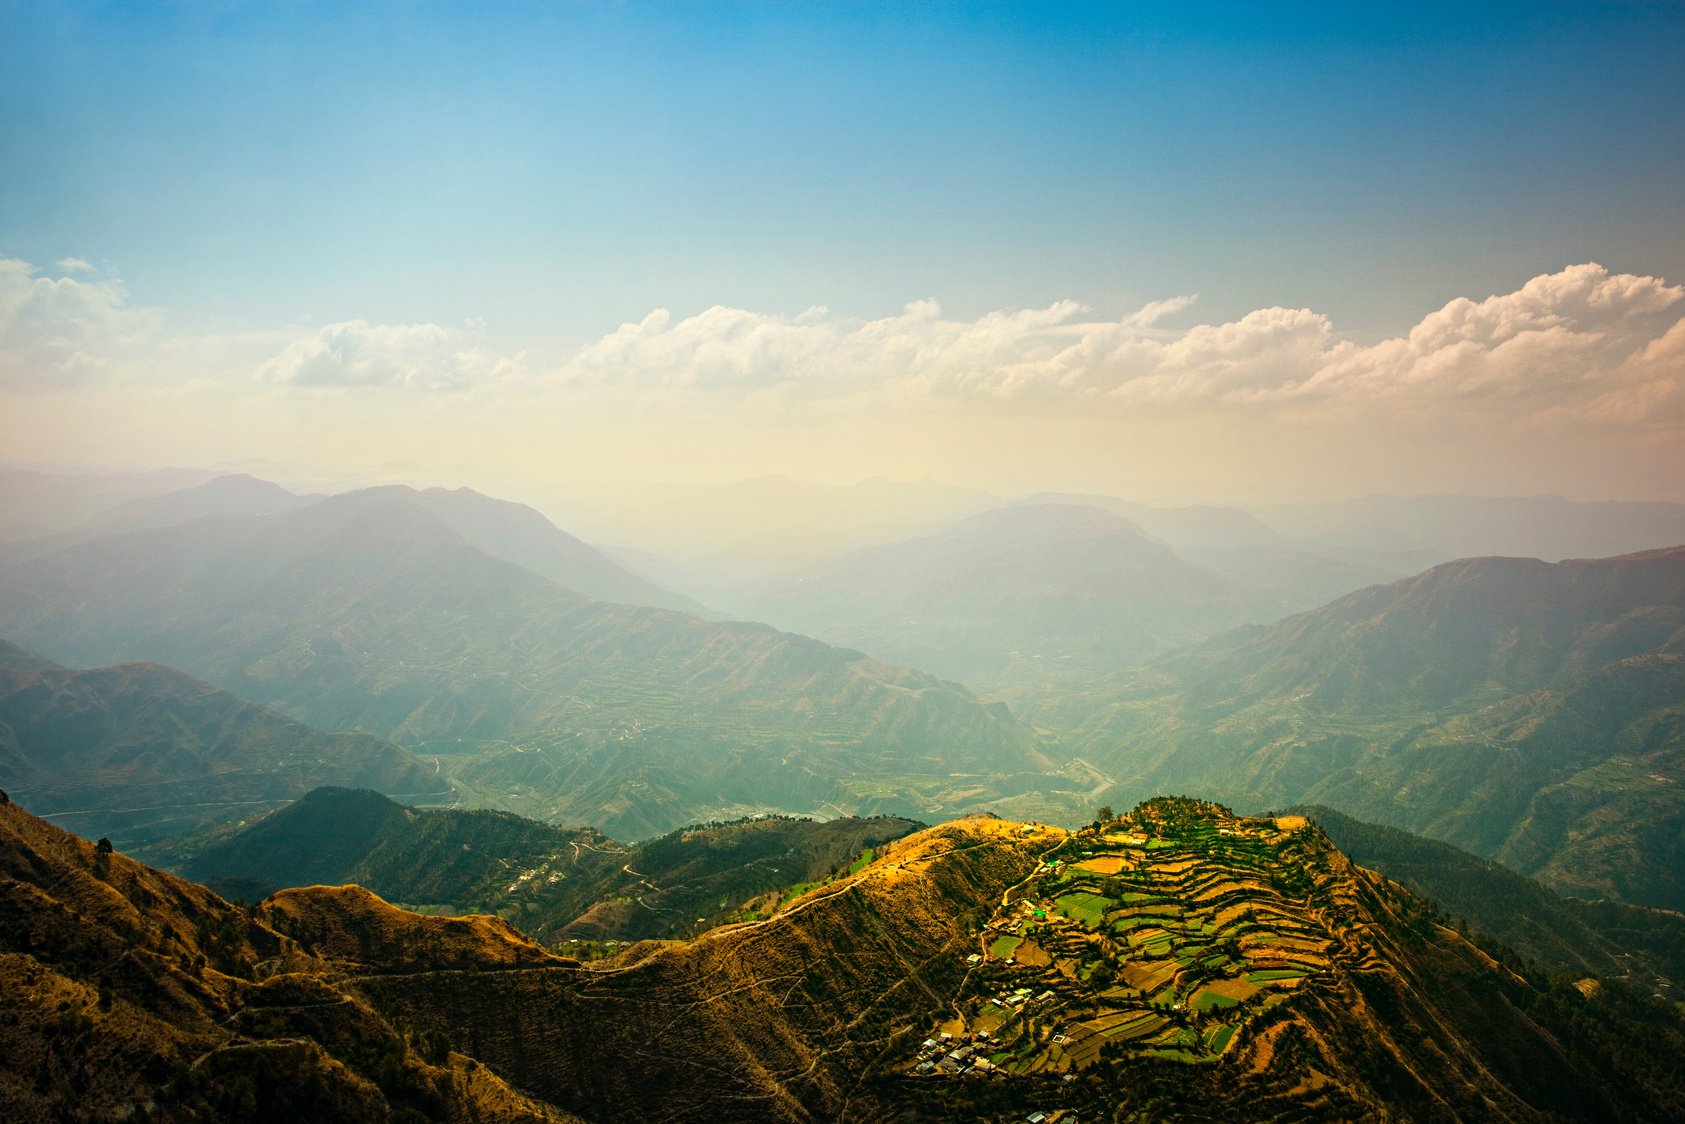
366,612
1030,593
1527,711
130,990
141,752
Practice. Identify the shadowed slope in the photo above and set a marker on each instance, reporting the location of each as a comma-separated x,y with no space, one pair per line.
127,990
553,882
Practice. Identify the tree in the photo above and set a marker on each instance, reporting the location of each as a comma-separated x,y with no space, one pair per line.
1105,814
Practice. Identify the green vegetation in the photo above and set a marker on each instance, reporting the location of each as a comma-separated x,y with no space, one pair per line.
1002,947
140,752
1523,711
1140,972
1604,938
1088,908
366,611
554,882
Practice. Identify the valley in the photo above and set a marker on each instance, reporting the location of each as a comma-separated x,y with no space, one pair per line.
627,861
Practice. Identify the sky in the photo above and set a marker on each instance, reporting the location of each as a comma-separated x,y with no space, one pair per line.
1175,252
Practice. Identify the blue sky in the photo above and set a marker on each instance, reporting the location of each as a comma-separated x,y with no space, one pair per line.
546,172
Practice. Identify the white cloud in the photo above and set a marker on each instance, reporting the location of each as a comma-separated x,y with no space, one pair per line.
63,332
356,353
1582,342
73,265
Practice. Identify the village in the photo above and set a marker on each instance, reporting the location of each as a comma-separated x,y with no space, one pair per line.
1163,933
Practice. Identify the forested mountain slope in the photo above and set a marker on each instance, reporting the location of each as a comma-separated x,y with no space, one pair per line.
1527,711
139,751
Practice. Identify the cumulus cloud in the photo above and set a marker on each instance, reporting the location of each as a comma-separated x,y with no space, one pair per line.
356,353
1584,341
63,332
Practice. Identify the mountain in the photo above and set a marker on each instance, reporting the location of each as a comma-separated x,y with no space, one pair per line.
225,496
551,881
1601,938
1178,963
365,612
237,494
1012,595
332,836
516,533
768,522
1287,574
33,504
1527,711
511,531
1437,529
130,994
138,751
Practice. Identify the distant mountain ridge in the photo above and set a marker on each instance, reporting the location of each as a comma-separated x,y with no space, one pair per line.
1437,528
513,532
139,751
366,612
33,504
1024,593
1528,711
517,533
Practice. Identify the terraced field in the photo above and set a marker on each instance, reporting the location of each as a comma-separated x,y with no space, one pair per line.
1164,934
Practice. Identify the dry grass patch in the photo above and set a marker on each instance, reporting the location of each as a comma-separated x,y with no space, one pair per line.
1238,990
1032,955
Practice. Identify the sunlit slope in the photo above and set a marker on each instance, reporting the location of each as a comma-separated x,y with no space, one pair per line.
1278,980
127,991
1308,989
138,751
365,612
1526,711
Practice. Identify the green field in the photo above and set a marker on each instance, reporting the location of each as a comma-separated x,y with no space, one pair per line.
1003,947
1084,907
1209,1000
1217,1038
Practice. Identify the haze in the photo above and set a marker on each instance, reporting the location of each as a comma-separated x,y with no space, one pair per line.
581,254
